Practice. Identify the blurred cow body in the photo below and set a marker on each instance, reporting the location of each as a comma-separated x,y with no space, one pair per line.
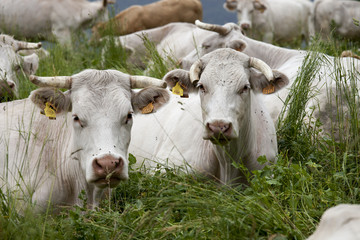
49,18
338,14
136,18
273,20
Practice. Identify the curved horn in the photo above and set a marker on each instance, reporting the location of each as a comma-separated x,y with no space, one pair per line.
262,67
144,81
195,71
21,45
57,82
213,27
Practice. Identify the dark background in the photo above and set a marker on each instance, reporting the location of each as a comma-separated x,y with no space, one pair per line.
213,11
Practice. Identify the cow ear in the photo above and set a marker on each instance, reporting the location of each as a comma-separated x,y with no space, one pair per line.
149,99
260,84
259,6
230,5
238,45
51,97
179,83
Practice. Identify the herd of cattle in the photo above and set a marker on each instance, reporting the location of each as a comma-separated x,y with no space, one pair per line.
232,89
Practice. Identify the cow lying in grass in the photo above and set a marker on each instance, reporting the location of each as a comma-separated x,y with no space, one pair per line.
223,121
84,144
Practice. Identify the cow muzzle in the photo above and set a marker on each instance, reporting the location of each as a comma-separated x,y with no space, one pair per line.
219,132
245,26
108,171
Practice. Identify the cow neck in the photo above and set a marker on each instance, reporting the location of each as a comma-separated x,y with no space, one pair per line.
274,56
240,149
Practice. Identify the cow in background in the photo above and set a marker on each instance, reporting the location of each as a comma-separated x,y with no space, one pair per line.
136,18
340,16
12,63
173,41
80,143
280,21
49,19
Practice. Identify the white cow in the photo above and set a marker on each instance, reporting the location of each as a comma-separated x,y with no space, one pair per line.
223,120
12,63
84,147
173,41
339,223
49,18
338,14
273,20
288,61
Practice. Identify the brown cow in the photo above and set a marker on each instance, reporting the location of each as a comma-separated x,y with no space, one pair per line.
136,18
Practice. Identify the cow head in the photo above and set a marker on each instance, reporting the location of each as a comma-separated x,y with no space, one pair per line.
225,36
102,105
11,63
94,12
227,81
245,10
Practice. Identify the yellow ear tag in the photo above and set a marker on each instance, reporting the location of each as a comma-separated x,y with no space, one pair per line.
50,110
268,89
178,90
148,108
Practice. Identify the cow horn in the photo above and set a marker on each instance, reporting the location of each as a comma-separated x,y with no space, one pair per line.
213,27
21,45
144,81
262,67
57,82
195,71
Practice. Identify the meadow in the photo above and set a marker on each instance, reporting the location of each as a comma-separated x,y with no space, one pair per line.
283,201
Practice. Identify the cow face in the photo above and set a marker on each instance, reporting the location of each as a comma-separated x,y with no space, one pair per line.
245,11
227,84
101,106
11,64
224,36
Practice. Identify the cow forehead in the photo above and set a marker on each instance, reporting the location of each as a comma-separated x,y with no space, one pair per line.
229,75
95,90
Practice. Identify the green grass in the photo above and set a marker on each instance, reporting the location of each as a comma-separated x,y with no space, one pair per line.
284,200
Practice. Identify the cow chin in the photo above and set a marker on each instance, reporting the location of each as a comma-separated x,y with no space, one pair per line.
110,182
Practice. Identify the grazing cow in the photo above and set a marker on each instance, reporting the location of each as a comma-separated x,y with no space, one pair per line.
223,120
288,61
84,147
341,15
11,63
273,20
339,223
174,41
49,18
136,18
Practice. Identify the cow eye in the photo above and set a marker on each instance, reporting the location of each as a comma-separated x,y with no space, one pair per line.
205,46
128,117
246,88
201,87
77,119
